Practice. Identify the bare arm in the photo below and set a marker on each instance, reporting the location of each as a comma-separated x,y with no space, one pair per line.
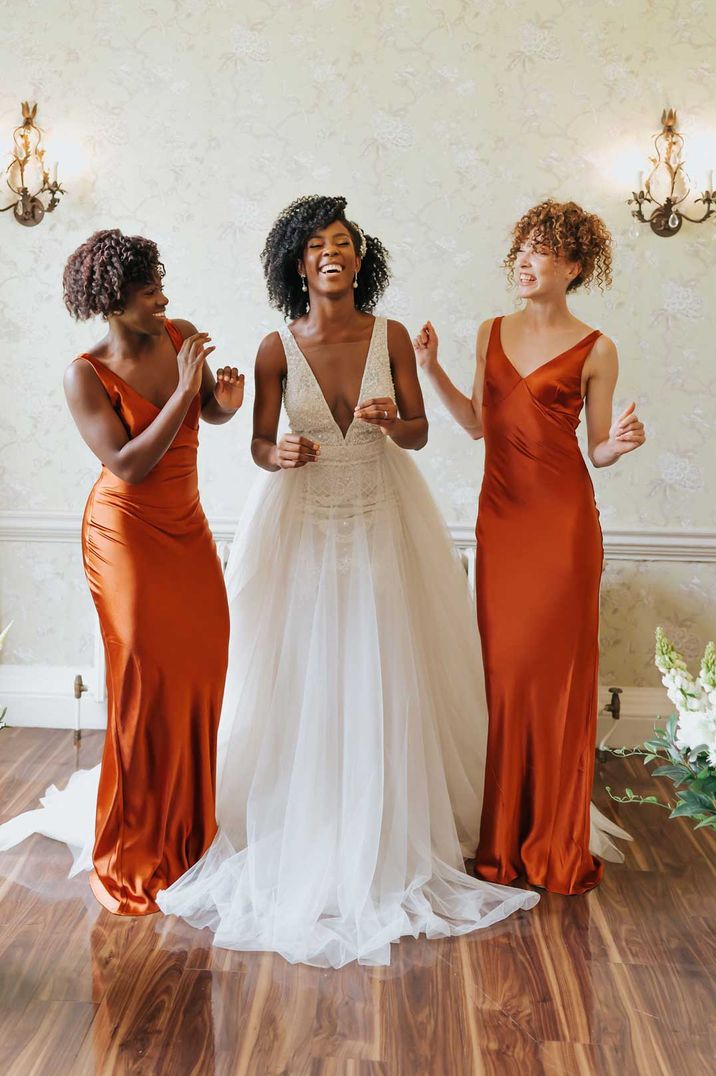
466,410
608,440
403,420
219,400
292,450
131,458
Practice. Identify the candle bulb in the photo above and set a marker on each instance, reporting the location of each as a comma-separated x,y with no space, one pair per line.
639,182
54,172
710,181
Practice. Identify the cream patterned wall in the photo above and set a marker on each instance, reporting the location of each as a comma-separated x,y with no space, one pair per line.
195,123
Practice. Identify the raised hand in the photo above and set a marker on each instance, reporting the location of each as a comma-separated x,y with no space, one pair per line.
190,362
627,432
378,411
229,388
425,345
296,451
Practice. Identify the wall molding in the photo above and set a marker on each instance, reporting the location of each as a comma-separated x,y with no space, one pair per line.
41,696
692,546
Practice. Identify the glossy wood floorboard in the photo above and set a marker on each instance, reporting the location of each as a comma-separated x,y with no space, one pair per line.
621,981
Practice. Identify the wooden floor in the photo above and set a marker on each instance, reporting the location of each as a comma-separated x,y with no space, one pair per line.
619,982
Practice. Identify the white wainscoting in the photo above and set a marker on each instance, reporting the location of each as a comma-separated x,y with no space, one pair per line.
42,696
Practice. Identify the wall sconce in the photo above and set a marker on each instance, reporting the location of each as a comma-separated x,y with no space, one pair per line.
27,172
667,185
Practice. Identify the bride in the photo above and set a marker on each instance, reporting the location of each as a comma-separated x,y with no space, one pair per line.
352,737
353,730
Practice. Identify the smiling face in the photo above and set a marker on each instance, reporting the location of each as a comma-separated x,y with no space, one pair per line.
541,273
330,261
144,309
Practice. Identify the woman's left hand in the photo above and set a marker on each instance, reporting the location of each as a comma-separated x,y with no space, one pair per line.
627,432
379,411
229,388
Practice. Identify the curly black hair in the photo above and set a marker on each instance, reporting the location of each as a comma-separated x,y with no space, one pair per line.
98,275
286,242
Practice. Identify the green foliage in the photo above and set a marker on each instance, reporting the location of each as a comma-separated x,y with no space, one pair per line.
694,780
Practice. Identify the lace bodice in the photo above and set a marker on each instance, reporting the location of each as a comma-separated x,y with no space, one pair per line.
305,404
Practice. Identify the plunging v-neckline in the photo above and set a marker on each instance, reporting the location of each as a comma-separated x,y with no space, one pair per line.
140,395
318,383
542,365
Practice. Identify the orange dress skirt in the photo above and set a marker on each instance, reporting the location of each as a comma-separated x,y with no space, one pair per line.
156,581
539,565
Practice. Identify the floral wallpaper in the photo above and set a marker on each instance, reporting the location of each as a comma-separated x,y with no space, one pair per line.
441,122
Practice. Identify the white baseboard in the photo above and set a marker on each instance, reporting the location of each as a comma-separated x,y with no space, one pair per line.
41,696
641,709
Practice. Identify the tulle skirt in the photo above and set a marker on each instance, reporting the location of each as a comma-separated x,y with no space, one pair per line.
352,739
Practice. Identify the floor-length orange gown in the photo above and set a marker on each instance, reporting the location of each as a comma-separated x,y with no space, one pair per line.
155,578
539,564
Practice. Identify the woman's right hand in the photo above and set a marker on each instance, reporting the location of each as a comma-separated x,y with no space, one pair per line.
190,362
295,451
425,346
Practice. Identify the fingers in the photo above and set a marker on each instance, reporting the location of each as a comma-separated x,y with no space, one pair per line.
380,411
229,374
425,336
629,427
629,411
295,451
195,349
196,340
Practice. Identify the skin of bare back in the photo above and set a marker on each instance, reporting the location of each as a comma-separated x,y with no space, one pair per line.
138,349
329,264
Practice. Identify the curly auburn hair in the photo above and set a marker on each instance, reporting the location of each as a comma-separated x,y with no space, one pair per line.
569,232
99,274
287,240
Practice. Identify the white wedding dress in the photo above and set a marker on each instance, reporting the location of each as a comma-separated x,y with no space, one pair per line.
352,738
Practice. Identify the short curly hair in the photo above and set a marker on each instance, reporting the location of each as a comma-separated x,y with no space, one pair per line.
286,243
569,232
99,274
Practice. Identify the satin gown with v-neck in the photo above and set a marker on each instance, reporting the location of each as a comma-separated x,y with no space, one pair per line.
539,565
157,584
351,750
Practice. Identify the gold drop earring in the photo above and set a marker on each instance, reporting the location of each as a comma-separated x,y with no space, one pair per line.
304,288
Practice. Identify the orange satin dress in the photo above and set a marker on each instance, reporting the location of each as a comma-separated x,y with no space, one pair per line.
539,565
156,581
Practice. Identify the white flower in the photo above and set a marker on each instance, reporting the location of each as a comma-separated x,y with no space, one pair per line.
695,730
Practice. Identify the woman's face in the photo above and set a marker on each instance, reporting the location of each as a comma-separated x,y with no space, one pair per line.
329,261
540,272
145,309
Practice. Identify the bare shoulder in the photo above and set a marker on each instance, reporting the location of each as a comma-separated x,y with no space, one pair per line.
484,329
186,328
81,381
604,351
483,337
398,335
270,357
602,362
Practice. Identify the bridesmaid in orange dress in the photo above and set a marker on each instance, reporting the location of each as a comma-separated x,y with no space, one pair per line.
152,568
539,547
